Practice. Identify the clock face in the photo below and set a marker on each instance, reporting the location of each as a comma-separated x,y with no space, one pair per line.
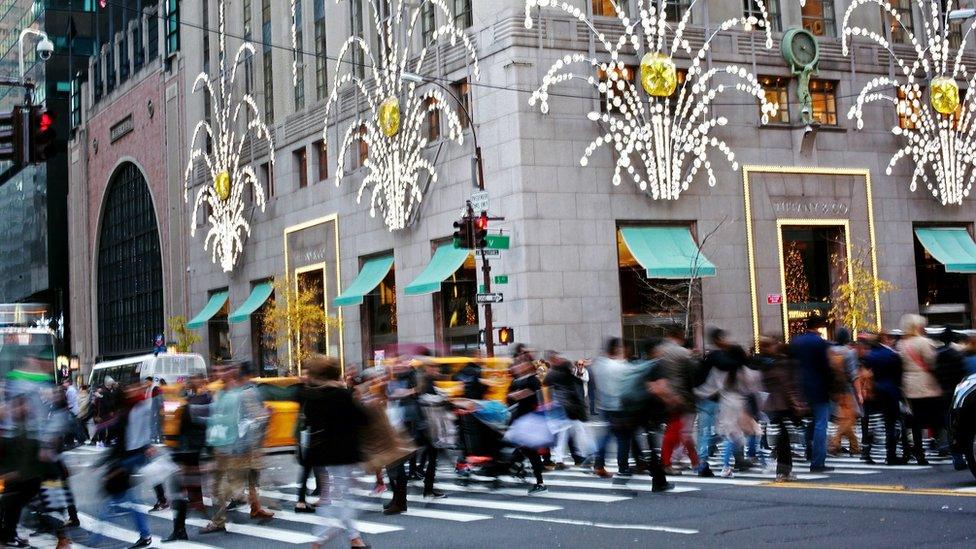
804,48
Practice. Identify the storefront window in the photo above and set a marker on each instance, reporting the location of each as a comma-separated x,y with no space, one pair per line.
263,346
945,298
380,308
312,279
459,309
819,18
218,330
651,306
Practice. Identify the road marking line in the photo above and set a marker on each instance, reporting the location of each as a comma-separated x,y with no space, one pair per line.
472,502
455,516
264,532
604,486
874,489
646,527
676,478
106,529
289,516
572,496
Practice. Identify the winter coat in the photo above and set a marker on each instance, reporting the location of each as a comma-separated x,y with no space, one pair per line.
809,350
886,366
679,367
918,367
949,368
779,380
609,374
734,420
333,420
567,390
380,444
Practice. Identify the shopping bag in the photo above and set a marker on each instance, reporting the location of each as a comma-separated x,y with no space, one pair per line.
531,431
159,469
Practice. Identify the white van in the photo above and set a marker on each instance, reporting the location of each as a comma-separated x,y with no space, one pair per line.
171,368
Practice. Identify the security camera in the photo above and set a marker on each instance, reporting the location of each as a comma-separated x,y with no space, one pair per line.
45,49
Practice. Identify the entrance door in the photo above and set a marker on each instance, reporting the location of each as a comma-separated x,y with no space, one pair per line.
813,262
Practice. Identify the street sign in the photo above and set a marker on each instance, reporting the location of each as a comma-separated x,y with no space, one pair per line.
491,253
484,299
479,201
501,279
774,299
498,241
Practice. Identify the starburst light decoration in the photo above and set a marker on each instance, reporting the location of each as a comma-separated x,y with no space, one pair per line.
396,108
661,140
228,176
938,130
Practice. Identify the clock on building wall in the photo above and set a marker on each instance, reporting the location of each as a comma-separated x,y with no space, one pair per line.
802,52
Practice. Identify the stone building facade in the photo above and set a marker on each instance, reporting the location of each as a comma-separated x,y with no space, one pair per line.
799,198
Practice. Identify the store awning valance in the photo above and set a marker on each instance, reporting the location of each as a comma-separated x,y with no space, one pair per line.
446,260
952,246
667,252
370,276
213,306
259,295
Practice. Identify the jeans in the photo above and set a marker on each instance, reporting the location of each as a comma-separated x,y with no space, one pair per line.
783,451
706,420
339,479
620,429
817,434
730,447
581,440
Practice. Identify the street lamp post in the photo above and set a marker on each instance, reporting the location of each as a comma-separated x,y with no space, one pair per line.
45,48
485,263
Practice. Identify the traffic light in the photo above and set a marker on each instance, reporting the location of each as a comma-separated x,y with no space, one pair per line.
12,136
42,134
481,231
506,336
463,237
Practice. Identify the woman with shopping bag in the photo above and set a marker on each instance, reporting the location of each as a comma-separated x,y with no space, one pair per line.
529,430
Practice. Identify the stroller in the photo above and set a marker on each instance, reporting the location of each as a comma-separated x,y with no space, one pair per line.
485,456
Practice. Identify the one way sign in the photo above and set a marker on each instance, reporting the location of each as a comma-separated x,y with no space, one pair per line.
484,299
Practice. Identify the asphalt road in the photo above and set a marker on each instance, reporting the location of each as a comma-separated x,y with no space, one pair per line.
856,505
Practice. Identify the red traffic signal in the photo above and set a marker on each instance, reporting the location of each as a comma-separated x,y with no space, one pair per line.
481,230
42,135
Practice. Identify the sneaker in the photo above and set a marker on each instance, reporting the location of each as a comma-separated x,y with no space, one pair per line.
160,506
304,508
706,472
602,473
727,472
789,477
212,528
16,542
538,488
434,494
671,471
141,542
666,487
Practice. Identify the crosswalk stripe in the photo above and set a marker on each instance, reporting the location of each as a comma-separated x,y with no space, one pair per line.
315,520
107,529
676,479
265,532
47,540
603,485
455,516
571,496
648,527
473,502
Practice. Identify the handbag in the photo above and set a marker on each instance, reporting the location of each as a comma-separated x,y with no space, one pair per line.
531,431
158,469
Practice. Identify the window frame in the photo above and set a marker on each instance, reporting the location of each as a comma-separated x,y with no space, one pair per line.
782,89
830,96
322,159
463,14
368,306
827,18
749,7
300,156
216,325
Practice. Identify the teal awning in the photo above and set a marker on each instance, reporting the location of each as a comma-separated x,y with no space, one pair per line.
952,246
667,252
370,276
259,294
446,260
217,301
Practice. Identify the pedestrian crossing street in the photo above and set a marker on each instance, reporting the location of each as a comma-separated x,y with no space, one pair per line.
477,502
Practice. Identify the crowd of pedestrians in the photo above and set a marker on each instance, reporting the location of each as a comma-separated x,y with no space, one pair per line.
664,412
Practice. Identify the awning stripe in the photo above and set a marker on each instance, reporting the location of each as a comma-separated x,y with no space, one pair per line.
259,294
952,246
213,306
667,252
447,259
370,276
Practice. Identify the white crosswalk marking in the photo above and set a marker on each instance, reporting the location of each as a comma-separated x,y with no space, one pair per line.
265,532
646,527
473,502
455,516
570,496
683,479
288,516
109,530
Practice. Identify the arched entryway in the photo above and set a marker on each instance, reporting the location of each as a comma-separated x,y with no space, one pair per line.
130,274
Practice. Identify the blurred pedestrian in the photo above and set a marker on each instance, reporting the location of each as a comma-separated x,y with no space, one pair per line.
885,392
524,395
679,367
844,366
191,441
609,372
949,371
809,350
784,405
918,381
333,419
568,391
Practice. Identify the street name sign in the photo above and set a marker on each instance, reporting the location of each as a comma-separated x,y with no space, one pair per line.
491,253
498,241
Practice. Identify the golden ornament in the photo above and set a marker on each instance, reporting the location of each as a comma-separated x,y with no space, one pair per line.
659,76
944,95
222,185
390,117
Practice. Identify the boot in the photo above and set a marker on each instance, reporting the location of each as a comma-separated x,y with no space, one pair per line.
399,503
180,508
73,521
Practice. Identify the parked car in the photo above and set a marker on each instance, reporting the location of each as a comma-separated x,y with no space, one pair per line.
962,422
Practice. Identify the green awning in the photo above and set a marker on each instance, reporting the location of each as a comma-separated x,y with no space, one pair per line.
217,301
667,252
370,276
259,295
446,260
952,246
